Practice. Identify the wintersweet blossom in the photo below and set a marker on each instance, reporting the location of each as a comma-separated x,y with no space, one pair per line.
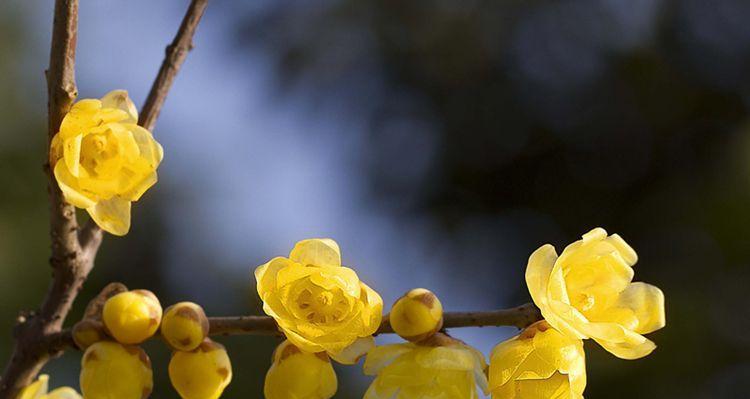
539,363
449,370
587,292
319,304
299,375
102,160
38,390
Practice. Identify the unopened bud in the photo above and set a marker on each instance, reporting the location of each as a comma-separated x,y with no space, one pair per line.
298,374
202,373
132,317
94,308
184,326
113,370
88,332
417,315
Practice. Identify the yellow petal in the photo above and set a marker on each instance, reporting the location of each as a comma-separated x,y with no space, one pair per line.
265,275
352,353
63,393
628,350
135,192
112,215
626,251
330,277
506,358
72,153
80,118
316,251
596,234
35,390
150,149
446,358
119,99
372,312
381,356
71,189
538,272
647,302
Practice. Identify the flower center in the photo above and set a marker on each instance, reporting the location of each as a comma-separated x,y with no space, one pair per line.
321,306
99,155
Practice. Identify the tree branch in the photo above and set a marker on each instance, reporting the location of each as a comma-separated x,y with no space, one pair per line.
39,336
520,317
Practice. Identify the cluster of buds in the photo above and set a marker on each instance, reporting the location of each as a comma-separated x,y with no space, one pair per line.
114,366
114,323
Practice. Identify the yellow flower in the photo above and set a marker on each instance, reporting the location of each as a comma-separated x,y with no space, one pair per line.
202,373
132,317
411,371
540,363
184,326
299,375
319,304
417,315
588,292
38,390
103,160
111,370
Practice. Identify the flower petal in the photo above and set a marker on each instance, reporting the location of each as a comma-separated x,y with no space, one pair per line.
150,150
112,215
71,190
352,353
316,251
627,349
647,302
72,153
538,271
381,356
119,99
35,390
63,393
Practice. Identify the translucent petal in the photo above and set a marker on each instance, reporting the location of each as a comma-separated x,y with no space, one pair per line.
628,349
112,215
150,150
119,99
647,303
139,187
352,353
70,188
372,312
624,249
265,275
330,277
381,356
538,271
316,251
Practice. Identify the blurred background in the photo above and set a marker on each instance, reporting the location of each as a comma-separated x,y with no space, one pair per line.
439,142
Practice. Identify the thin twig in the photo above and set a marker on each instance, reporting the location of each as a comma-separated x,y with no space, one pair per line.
39,336
520,317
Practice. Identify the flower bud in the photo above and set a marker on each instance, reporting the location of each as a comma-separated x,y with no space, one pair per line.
184,326
132,317
94,308
112,370
297,374
88,332
417,315
202,373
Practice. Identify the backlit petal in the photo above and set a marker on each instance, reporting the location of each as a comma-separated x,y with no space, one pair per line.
112,215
